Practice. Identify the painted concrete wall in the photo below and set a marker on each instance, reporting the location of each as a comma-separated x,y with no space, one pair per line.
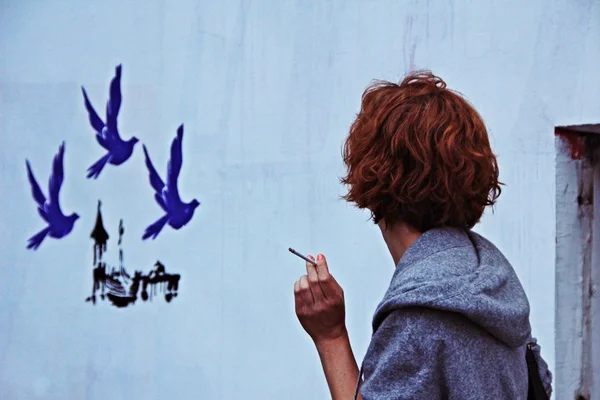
266,90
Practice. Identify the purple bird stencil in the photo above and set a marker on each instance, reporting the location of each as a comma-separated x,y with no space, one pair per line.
177,213
59,225
107,135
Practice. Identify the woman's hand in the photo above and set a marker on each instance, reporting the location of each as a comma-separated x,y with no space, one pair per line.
320,303
322,313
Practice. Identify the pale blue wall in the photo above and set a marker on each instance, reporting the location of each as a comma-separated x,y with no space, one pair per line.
267,91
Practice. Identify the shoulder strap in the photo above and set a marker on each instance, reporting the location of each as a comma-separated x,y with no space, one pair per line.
536,387
360,374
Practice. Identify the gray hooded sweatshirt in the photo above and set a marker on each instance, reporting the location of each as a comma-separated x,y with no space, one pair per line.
454,324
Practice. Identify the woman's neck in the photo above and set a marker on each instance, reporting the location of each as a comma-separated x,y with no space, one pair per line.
398,237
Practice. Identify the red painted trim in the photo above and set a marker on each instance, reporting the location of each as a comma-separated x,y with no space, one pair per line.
574,140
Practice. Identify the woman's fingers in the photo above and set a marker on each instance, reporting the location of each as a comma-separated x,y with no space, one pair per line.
329,285
317,288
298,297
305,292
313,281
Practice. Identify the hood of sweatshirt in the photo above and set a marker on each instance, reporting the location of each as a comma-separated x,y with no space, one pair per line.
459,271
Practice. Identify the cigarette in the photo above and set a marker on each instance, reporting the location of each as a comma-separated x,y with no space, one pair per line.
302,256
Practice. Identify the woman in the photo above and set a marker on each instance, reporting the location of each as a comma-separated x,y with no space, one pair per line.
454,323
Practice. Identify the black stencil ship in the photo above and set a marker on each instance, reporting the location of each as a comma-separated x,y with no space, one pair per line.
118,285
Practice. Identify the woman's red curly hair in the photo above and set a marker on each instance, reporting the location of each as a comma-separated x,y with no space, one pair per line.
419,153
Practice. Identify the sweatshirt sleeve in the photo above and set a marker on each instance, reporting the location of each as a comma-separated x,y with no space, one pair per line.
403,362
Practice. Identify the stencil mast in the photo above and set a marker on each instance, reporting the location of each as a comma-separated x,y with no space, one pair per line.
118,285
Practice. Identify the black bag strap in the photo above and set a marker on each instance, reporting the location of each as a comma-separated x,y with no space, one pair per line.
536,387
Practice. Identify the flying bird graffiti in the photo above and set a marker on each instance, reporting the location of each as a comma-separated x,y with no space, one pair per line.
107,135
59,225
177,213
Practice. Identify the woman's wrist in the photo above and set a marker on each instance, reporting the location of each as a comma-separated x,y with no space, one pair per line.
337,340
339,365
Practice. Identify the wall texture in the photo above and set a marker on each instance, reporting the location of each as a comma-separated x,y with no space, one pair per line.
267,91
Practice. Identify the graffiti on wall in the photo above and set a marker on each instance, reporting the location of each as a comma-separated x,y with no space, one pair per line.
115,282
107,134
177,213
58,225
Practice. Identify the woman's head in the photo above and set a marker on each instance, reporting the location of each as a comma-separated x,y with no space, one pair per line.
419,153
